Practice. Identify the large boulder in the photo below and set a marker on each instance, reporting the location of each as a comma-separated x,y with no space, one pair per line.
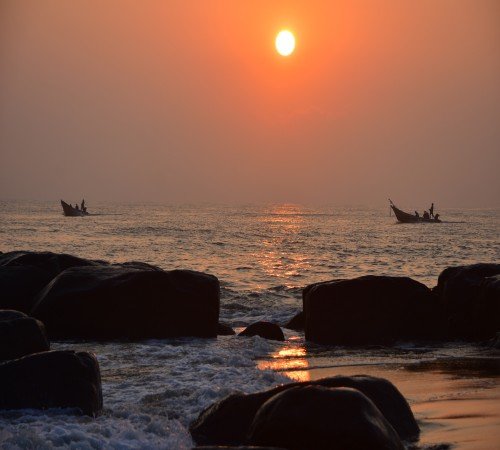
320,418
487,309
20,335
57,379
370,310
23,274
228,421
11,314
266,330
131,301
53,263
470,297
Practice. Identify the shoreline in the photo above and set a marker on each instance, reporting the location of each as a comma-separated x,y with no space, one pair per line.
456,400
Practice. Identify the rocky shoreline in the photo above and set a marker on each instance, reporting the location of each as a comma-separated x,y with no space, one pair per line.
74,298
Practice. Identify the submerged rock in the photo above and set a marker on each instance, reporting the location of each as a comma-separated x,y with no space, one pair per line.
23,274
316,417
470,296
20,335
132,301
57,379
370,309
266,330
228,421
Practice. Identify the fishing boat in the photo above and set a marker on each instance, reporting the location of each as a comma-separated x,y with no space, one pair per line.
405,217
70,211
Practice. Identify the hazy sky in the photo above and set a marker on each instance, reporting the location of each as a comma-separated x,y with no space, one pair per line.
188,101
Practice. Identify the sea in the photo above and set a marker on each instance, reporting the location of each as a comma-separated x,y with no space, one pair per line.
263,256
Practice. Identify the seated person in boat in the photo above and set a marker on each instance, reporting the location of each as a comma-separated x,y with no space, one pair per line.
76,206
426,215
436,217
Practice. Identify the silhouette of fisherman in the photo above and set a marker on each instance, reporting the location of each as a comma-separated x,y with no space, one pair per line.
83,205
431,210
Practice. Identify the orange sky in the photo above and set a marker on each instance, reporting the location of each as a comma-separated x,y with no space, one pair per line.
188,100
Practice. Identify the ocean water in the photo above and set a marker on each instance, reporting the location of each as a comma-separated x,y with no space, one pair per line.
263,257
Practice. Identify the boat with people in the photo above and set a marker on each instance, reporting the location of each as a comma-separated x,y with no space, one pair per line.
404,217
74,211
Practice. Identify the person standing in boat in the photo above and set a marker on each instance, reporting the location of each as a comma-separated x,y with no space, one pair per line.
431,210
83,205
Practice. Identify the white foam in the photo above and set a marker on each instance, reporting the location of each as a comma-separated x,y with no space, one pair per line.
152,391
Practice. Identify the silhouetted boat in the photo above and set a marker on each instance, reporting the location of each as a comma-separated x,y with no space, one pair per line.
405,217
68,210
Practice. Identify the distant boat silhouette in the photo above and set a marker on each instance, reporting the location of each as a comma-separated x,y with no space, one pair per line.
68,210
405,217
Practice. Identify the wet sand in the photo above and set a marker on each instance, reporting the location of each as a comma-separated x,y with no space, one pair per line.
456,401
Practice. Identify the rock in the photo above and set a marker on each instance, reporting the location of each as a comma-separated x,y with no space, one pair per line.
131,301
10,314
20,285
227,422
223,329
316,417
20,335
266,330
57,379
370,310
495,342
246,447
23,274
296,322
470,296
53,263
486,315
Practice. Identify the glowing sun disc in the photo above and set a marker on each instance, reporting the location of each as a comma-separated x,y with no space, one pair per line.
285,43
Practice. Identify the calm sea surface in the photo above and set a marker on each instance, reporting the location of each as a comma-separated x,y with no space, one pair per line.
263,256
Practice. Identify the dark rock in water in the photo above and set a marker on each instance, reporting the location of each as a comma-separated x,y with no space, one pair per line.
224,447
369,310
20,285
487,309
315,417
470,296
131,301
266,330
23,274
296,323
223,329
228,421
20,335
52,263
57,379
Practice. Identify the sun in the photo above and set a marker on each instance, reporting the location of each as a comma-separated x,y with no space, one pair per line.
285,43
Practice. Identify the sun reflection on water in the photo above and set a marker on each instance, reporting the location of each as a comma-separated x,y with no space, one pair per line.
281,255
291,360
